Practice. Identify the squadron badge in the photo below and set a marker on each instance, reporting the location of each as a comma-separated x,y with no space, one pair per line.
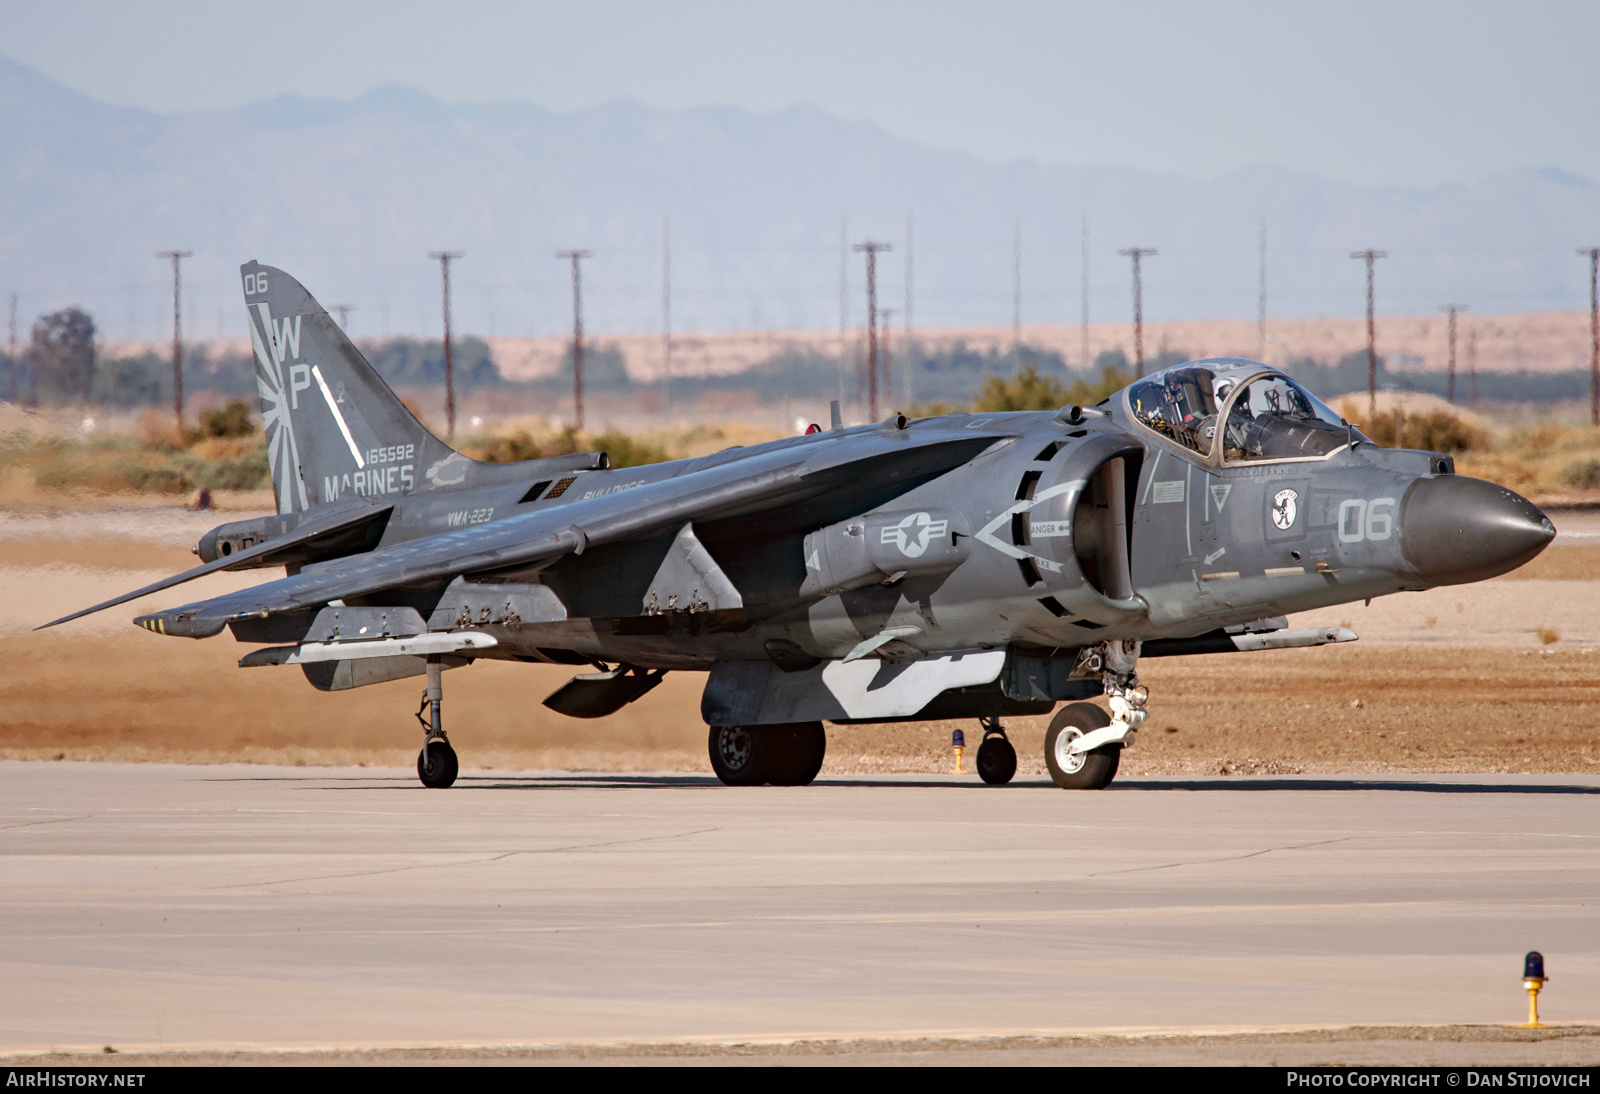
1284,509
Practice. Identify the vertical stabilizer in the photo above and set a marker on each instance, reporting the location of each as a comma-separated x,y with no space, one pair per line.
334,429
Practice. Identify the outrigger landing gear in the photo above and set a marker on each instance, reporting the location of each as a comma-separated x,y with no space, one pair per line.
997,760
437,765
1083,746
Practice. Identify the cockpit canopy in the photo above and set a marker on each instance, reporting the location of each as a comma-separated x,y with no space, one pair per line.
1259,413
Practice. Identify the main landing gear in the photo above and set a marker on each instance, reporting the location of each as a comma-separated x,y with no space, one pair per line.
437,765
783,755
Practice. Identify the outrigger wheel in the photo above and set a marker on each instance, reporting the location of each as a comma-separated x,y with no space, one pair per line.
1092,770
783,755
997,760
437,765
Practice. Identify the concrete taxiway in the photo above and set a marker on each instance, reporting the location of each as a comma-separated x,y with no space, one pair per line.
240,907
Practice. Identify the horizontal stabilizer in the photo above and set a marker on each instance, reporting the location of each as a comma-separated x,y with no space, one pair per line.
239,560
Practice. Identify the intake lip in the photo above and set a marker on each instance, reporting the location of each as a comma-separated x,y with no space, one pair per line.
1454,530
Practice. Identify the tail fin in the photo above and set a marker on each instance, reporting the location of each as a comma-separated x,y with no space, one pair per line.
334,429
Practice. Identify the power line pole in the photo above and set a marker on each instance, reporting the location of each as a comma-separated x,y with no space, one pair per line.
888,382
344,311
577,334
445,258
11,347
1452,310
1371,256
1137,253
1472,368
1083,328
844,301
1261,301
1594,332
905,374
666,314
177,337
871,248
1016,287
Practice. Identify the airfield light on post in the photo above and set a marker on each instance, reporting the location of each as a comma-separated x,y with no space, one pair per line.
958,742
1533,979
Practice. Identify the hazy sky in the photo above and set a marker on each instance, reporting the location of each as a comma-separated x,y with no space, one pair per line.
1371,92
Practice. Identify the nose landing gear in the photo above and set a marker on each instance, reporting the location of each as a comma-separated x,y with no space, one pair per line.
437,765
997,760
1083,746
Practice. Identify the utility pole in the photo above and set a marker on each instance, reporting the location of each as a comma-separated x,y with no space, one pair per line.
445,258
1261,301
1137,253
905,374
1016,287
844,302
1594,332
666,315
888,382
1083,281
1371,256
1472,368
1452,310
344,311
871,248
177,337
11,347
577,334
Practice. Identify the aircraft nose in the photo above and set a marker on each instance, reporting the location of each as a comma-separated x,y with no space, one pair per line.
1455,529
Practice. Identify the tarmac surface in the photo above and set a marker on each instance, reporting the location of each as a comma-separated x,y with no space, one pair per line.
240,908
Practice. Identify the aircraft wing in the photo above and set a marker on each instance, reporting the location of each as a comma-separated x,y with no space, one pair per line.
759,483
307,530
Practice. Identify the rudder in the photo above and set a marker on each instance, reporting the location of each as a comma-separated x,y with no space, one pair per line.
334,428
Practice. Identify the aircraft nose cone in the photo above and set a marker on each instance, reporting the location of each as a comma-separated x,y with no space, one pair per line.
1454,529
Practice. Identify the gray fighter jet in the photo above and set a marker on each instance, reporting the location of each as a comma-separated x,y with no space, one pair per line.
963,566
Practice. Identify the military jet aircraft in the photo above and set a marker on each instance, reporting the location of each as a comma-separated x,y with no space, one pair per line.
963,566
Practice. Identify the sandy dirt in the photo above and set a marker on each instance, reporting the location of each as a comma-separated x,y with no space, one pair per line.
1500,676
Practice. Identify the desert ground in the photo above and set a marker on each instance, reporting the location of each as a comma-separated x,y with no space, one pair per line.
1502,676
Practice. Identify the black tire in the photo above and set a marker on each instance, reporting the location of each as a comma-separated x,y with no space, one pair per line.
997,760
443,770
1091,770
737,755
794,752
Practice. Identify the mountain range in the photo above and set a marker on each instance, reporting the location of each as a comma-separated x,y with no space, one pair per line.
352,196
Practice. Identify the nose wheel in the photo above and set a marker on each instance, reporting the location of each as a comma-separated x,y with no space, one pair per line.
997,759
437,765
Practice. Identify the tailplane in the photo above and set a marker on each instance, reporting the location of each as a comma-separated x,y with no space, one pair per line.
335,431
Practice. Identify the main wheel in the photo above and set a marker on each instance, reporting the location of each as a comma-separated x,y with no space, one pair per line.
997,760
794,752
1092,770
437,765
737,755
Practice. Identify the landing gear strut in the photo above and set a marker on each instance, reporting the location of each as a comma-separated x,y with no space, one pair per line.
997,760
437,765
1083,746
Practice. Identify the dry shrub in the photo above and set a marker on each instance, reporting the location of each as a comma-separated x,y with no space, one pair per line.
1548,636
1433,431
1582,474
